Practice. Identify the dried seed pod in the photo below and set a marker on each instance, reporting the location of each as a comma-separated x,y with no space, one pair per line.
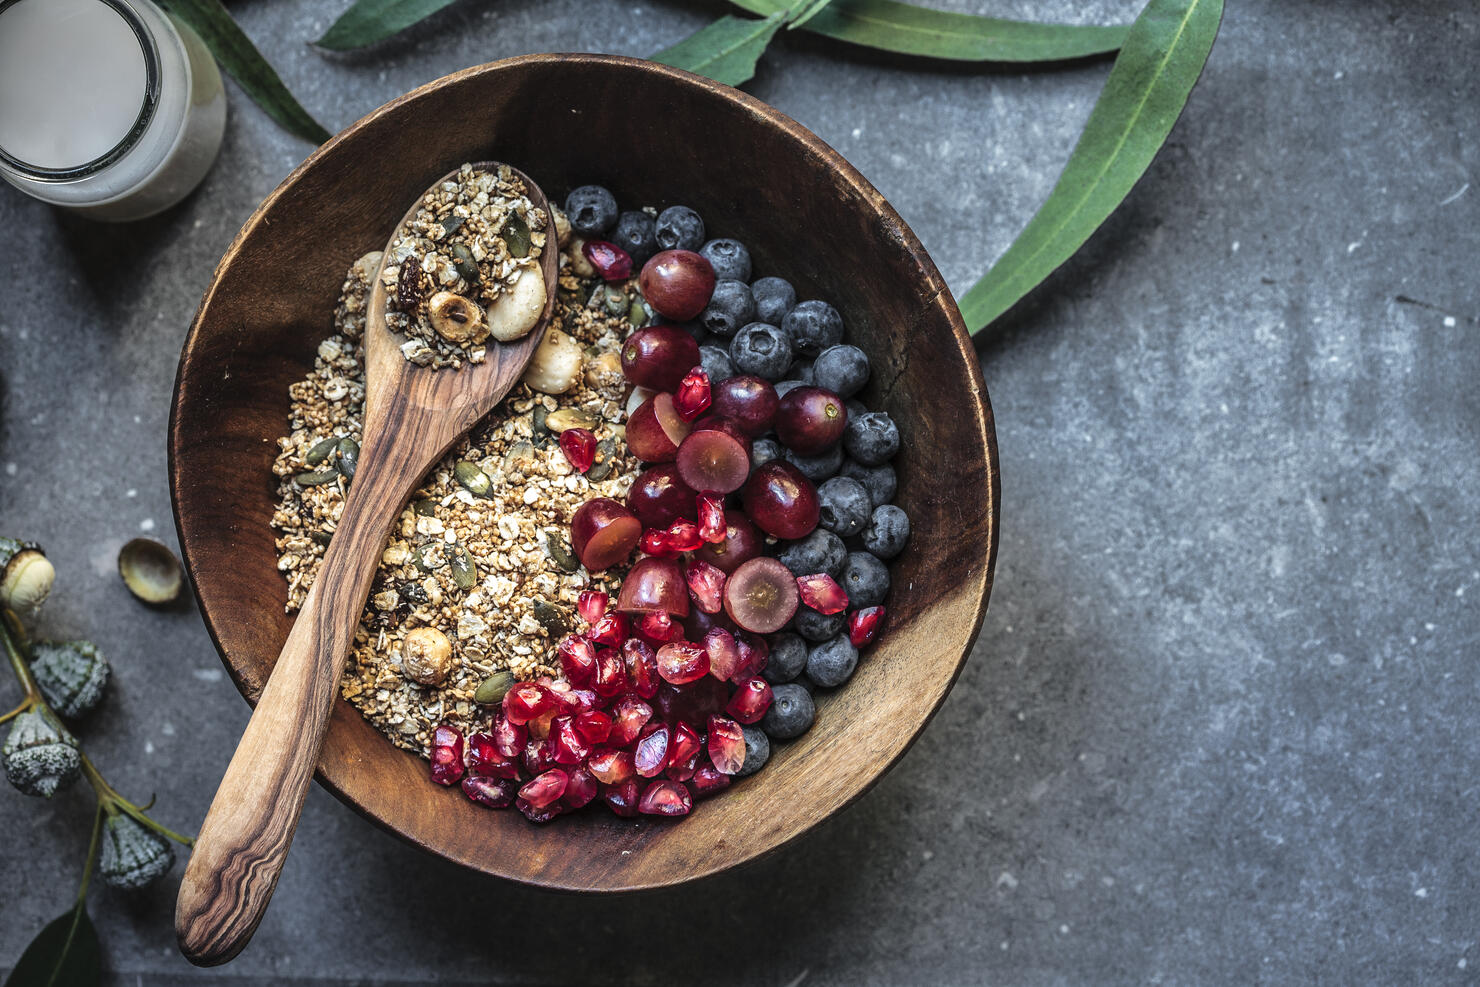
491,691
321,451
40,755
133,856
556,365
457,319
518,308
72,675
150,570
410,289
426,656
26,575
472,478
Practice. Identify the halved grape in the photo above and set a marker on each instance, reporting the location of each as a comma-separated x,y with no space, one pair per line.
761,595
655,429
781,501
747,400
810,420
659,356
655,585
659,497
742,542
603,533
710,459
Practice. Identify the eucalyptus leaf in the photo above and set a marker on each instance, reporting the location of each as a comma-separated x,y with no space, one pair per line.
369,21
726,50
808,11
911,30
239,57
64,954
1163,57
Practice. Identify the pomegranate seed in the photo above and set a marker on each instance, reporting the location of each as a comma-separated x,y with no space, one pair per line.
651,756
822,593
546,788
706,585
570,747
692,703
629,716
680,662
683,536
611,677
446,736
665,798
712,525
508,738
611,767
692,397
656,543
622,798
683,745
611,261
485,758
577,659
580,790
726,744
707,780
642,667
579,446
658,626
539,727
584,699
538,756
526,701
495,793
592,604
685,770
750,701
755,653
594,726
723,651
447,755
863,625
537,815
611,629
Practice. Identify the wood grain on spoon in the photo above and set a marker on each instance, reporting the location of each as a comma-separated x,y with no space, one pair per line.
413,415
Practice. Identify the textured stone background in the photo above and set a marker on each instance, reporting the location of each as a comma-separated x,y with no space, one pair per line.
1220,725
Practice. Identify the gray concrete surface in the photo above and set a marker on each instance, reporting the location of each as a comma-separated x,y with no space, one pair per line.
1220,725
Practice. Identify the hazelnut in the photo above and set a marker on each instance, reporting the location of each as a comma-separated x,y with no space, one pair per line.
426,656
457,319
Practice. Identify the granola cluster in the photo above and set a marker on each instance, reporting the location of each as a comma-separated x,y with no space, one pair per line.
481,552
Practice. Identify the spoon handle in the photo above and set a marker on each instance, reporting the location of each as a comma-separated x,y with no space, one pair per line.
247,831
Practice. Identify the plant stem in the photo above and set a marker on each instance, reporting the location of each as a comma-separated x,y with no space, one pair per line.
109,799
92,853
27,704
14,637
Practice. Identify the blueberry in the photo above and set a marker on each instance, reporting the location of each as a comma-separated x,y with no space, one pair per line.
716,363
888,530
591,210
634,234
880,481
845,506
832,663
757,751
865,579
679,228
701,335
761,349
821,551
816,626
872,438
788,385
841,369
802,371
813,327
819,467
788,657
763,450
729,258
791,714
730,307
774,297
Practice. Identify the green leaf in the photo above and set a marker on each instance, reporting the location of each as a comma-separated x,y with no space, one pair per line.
1147,89
911,30
64,954
726,50
810,11
369,21
238,56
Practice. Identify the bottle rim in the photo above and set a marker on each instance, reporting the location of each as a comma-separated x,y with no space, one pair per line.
147,108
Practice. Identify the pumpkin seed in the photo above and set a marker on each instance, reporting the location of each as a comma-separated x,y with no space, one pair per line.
322,537
320,451
491,691
520,455
452,223
474,479
426,507
538,427
637,314
463,263
564,418
615,301
552,617
606,458
569,296
561,553
419,558
349,457
464,569
317,478
516,235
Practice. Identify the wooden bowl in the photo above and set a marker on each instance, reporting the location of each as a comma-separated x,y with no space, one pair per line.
653,135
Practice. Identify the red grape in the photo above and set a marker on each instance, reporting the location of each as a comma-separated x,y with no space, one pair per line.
655,429
659,356
710,459
810,420
761,595
781,501
655,585
742,543
659,497
748,401
677,284
603,533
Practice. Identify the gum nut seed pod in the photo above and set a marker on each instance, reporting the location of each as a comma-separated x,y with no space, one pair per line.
26,575
556,365
72,675
426,656
457,319
516,310
40,756
133,856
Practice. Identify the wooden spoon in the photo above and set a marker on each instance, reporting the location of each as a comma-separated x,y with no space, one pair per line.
413,415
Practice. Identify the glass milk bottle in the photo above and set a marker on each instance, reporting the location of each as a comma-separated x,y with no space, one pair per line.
108,108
